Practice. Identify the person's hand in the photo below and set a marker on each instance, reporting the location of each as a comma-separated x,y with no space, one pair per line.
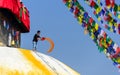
43,38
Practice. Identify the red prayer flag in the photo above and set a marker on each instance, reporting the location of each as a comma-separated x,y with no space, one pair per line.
92,4
107,2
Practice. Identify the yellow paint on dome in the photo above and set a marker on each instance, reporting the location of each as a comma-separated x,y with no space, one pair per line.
7,71
36,64
14,61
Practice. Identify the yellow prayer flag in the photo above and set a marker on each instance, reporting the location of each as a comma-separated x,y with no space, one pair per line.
119,16
92,36
105,51
119,8
80,20
118,60
105,45
115,24
98,10
98,1
110,23
111,29
96,26
99,18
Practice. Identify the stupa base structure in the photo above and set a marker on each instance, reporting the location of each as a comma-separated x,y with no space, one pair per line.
17,61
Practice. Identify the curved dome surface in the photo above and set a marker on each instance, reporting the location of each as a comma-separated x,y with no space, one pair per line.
16,61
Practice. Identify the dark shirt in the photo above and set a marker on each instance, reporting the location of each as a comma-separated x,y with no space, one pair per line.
35,38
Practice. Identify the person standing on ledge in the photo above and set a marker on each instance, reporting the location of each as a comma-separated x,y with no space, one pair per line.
36,38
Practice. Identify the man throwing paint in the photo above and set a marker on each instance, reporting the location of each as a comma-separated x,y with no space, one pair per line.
35,39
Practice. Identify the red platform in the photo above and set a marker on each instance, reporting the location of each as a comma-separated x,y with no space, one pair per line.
20,13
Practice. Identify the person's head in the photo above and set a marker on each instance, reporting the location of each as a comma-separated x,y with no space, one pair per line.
38,32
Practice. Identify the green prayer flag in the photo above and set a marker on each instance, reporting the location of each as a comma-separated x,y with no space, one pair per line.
115,8
96,6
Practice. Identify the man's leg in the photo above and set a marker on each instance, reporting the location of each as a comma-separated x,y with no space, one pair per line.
34,46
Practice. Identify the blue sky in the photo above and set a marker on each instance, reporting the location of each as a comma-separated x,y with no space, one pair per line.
72,46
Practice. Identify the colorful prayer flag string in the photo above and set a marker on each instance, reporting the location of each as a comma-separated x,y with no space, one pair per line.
103,15
112,6
101,39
